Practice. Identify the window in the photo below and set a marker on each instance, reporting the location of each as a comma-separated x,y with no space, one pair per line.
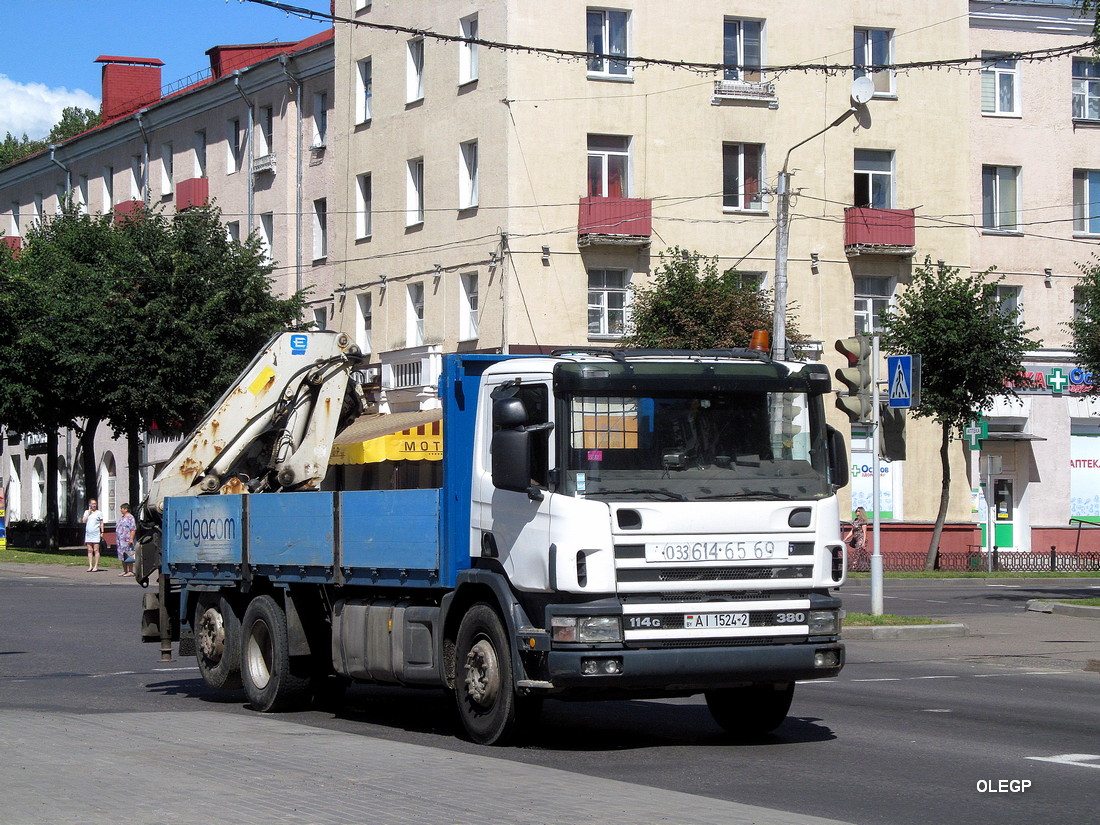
608,33
1008,302
267,235
199,146
108,188
320,318
81,194
364,80
467,52
1086,201
1000,198
467,175
265,132
16,228
363,321
468,321
320,119
742,171
233,231
608,302
137,179
748,280
874,48
414,320
1086,89
608,166
874,179
320,229
36,208
414,75
234,145
1000,86
414,192
1080,310
742,43
872,299
363,206
166,169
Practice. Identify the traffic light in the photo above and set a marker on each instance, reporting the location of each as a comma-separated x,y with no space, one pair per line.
856,377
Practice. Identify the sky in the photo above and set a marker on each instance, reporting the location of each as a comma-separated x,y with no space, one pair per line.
49,47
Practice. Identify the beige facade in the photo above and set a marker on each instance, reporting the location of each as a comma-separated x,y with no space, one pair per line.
549,129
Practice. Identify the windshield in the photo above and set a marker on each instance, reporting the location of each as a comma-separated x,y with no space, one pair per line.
717,446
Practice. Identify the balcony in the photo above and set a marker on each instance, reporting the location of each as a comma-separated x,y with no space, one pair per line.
879,232
126,210
744,90
12,242
264,163
615,222
410,377
192,192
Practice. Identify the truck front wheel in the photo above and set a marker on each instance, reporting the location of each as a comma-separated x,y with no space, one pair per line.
270,680
217,642
752,711
490,711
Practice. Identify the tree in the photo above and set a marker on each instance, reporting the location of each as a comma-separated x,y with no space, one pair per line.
690,305
971,351
129,323
74,120
13,148
1085,326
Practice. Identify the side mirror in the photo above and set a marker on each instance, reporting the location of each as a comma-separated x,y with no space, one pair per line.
511,460
838,458
509,413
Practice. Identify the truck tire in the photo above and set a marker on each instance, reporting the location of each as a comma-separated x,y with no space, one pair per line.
749,712
490,710
217,641
271,682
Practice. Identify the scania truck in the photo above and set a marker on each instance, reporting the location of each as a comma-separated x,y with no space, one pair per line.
606,524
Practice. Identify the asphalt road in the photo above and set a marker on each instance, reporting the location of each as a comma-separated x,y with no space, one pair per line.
1002,726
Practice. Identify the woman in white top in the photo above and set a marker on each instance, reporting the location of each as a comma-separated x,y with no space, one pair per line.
93,531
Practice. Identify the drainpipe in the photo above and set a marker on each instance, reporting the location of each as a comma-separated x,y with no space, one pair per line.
139,117
284,59
251,191
63,168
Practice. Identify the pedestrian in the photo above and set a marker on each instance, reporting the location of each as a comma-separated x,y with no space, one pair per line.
124,540
93,532
859,530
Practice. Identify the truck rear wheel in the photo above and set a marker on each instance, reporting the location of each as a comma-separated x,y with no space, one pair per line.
747,712
488,706
217,641
270,680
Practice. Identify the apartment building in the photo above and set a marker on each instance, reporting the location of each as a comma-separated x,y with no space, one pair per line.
508,199
1035,199
251,135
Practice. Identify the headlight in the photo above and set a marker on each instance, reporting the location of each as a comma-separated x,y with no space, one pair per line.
587,629
824,623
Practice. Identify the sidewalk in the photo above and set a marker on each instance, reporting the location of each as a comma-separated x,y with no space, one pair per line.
75,573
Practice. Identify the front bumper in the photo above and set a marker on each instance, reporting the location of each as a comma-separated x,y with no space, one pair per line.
692,669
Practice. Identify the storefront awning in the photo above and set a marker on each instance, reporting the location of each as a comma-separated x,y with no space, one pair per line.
411,436
1013,437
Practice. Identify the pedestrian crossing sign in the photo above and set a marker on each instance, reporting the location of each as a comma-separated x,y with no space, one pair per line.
903,381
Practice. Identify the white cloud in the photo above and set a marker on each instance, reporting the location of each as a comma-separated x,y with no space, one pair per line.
33,109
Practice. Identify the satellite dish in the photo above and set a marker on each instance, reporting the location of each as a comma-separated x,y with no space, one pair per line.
863,89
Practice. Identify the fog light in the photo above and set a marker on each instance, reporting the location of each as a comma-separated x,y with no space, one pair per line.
827,658
601,667
824,623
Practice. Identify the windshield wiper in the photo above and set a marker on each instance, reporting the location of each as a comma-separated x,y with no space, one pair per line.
767,495
639,491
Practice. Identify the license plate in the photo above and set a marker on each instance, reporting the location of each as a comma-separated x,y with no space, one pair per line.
706,621
721,550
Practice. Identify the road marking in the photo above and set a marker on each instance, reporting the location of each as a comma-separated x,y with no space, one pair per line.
935,677
1080,760
936,710
894,679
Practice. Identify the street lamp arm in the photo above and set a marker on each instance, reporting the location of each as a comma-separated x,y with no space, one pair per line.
836,122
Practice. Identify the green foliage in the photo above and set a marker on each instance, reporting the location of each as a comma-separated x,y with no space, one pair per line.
970,349
133,322
1085,327
689,304
74,120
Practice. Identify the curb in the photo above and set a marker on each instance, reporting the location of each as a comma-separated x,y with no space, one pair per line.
1081,611
905,632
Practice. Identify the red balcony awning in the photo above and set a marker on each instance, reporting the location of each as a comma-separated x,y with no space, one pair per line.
192,192
889,231
618,220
